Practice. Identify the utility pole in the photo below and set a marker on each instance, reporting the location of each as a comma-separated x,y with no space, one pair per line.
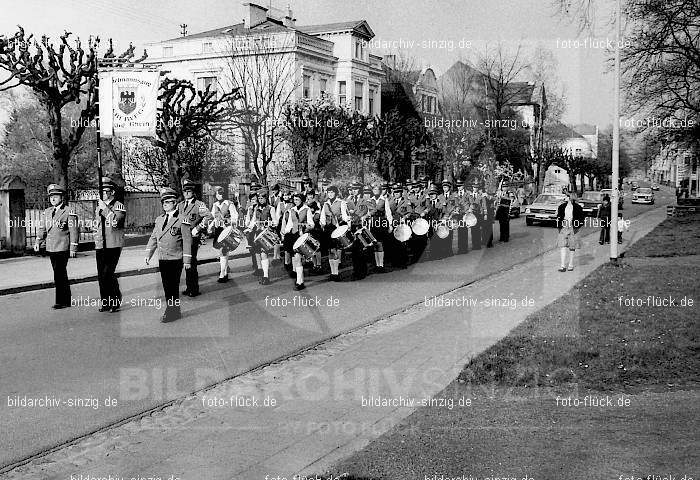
616,140
183,30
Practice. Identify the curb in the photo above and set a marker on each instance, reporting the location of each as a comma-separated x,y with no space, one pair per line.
93,278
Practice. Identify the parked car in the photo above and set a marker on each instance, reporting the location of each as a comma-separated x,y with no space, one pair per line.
655,186
591,202
544,208
643,195
620,200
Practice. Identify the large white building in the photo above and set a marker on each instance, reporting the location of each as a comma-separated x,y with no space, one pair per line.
268,50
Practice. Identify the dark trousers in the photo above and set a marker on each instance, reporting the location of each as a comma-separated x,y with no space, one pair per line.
504,227
191,274
417,245
59,262
399,253
359,262
107,260
462,239
605,233
476,237
170,272
487,233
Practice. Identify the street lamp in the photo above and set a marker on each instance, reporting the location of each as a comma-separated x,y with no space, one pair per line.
616,139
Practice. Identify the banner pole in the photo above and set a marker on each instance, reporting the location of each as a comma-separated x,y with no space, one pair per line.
99,151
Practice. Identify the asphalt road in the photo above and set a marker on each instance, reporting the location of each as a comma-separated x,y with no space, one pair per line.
99,368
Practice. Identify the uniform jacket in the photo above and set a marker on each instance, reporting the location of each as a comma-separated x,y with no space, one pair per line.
333,213
223,213
173,239
294,218
59,230
261,217
579,216
113,219
195,212
400,208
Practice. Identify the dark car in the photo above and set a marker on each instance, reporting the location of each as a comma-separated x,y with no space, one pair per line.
591,202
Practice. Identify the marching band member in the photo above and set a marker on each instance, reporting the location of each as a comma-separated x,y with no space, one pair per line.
476,203
447,207
224,213
381,222
249,213
316,230
432,212
275,201
197,214
263,216
284,204
422,208
462,208
487,209
109,217
400,208
172,237
59,229
297,220
333,212
358,210
503,217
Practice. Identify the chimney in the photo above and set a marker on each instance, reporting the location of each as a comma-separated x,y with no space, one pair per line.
289,20
254,15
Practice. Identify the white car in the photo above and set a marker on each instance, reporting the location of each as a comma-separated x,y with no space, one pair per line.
643,195
544,208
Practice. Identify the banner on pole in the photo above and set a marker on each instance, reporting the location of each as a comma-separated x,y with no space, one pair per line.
128,103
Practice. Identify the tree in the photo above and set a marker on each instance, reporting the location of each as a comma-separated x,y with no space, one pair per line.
187,117
59,77
263,67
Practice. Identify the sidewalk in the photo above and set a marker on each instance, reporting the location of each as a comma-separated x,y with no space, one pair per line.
320,413
33,272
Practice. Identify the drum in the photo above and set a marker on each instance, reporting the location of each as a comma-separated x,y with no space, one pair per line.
402,232
229,239
267,239
343,236
442,231
365,237
420,226
469,219
306,245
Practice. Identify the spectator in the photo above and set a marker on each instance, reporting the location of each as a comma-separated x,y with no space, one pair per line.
604,218
570,219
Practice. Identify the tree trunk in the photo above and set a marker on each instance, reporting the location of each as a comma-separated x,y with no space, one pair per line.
311,164
60,150
174,171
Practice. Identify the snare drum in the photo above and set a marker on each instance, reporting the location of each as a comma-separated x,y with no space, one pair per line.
343,236
365,237
306,245
442,231
229,239
402,232
267,239
469,219
420,226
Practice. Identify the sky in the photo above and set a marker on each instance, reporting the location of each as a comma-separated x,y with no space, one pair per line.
442,31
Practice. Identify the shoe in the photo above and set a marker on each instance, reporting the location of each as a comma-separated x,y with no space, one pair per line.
222,279
186,292
619,242
193,294
265,281
171,316
571,269
381,269
299,286
58,306
258,272
103,309
334,277
600,243
114,309
562,269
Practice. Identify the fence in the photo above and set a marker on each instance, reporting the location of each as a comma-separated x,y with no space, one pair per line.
141,212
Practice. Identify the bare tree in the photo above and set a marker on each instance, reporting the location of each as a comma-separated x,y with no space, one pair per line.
263,67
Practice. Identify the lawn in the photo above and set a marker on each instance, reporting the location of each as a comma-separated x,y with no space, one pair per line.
586,345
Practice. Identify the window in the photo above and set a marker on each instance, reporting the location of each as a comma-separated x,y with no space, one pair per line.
371,101
422,103
358,95
207,82
207,47
167,51
358,49
342,93
323,85
307,86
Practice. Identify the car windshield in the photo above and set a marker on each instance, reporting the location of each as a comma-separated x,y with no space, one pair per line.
644,190
597,196
550,199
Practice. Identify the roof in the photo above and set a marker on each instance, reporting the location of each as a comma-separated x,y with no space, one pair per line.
269,25
359,26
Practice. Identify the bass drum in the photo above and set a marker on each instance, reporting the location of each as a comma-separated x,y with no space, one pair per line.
420,226
306,245
442,231
469,219
402,232
343,236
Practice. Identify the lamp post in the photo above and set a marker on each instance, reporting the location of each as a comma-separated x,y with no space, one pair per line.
616,140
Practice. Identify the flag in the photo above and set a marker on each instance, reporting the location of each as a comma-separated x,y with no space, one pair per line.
128,103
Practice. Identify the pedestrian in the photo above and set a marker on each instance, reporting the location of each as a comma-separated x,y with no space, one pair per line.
58,229
604,220
621,226
570,219
503,217
110,217
197,215
172,237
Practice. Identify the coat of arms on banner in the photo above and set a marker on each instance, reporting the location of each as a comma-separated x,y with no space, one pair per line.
127,99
